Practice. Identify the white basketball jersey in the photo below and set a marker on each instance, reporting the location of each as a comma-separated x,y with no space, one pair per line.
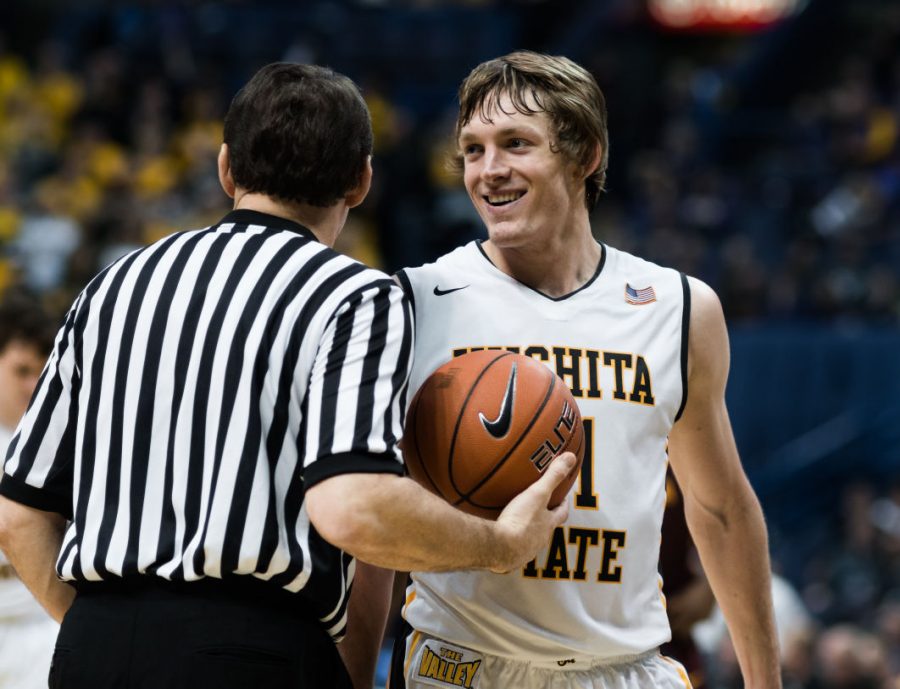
619,343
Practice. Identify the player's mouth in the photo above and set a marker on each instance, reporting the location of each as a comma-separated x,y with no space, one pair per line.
498,200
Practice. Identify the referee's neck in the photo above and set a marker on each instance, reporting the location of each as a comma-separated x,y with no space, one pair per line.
325,223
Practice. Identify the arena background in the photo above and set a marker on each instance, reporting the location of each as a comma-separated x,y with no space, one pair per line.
753,144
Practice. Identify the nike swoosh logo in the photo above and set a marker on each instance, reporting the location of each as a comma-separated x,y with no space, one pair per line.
438,292
500,426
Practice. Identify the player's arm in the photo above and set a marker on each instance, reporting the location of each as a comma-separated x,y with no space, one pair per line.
367,615
723,513
392,522
31,539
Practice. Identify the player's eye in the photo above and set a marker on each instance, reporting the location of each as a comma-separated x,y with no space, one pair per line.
517,143
471,149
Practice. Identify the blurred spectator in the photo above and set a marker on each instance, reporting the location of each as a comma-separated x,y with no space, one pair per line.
793,623
888,628
849,658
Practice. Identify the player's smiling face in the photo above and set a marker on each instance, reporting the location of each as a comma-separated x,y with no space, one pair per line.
521,186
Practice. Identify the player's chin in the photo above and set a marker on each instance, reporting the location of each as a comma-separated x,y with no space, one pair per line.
509,241
507,236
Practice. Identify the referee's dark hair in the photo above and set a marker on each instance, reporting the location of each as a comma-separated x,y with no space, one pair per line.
300,133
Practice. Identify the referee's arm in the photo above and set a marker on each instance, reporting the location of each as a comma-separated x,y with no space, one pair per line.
392,522
355,496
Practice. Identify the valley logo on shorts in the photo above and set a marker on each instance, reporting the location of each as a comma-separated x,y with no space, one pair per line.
446,665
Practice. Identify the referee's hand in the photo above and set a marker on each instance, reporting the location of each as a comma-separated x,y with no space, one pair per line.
527,523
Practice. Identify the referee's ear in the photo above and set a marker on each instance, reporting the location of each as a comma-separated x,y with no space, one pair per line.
225,178
357,195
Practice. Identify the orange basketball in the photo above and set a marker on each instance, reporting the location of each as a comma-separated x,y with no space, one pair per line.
485,425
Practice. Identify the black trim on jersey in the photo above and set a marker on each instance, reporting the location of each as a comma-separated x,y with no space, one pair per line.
409,317
350,463
400,379
245,216
603,252
38,498
685,332
406,286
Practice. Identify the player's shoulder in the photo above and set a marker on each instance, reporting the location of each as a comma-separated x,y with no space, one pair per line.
706,308
619,260
451,266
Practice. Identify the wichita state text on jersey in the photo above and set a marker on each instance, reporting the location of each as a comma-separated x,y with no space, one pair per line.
594,590
631,378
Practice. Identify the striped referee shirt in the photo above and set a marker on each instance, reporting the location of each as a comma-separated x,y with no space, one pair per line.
197,388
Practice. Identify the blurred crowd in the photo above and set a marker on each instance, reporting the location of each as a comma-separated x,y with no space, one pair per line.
838,614
94,162
777,181
789,208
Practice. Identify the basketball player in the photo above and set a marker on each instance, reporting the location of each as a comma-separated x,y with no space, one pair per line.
645,352
27,632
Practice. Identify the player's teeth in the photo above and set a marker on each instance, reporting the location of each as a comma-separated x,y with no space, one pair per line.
503,198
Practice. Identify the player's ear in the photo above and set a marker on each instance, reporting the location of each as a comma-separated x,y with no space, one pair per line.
225,178
592,161
356,195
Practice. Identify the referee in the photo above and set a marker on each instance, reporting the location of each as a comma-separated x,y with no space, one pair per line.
214,438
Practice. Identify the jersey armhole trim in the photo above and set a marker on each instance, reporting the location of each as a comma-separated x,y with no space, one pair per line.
406,286
685,338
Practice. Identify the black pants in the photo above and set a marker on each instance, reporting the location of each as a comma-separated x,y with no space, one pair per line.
152,635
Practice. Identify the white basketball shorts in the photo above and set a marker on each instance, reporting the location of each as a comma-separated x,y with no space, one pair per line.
431,662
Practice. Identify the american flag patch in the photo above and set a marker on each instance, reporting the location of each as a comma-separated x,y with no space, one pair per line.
639,296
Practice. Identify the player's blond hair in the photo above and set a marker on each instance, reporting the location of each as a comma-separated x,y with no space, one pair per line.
559,87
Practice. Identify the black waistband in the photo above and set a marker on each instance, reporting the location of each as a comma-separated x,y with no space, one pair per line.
235,588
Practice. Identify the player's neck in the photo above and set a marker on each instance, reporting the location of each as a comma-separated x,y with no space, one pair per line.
556,267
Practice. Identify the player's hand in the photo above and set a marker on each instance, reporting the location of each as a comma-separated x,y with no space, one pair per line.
526,524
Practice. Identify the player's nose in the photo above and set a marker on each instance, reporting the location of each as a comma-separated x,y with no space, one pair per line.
495,166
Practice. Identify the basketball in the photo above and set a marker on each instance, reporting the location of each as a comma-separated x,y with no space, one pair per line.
486,425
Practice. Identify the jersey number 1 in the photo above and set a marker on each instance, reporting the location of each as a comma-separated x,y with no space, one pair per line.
586,498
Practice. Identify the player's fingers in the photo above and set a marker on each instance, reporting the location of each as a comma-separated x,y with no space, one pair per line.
560,513
559,468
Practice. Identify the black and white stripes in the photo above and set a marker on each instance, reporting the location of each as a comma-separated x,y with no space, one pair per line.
197,388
